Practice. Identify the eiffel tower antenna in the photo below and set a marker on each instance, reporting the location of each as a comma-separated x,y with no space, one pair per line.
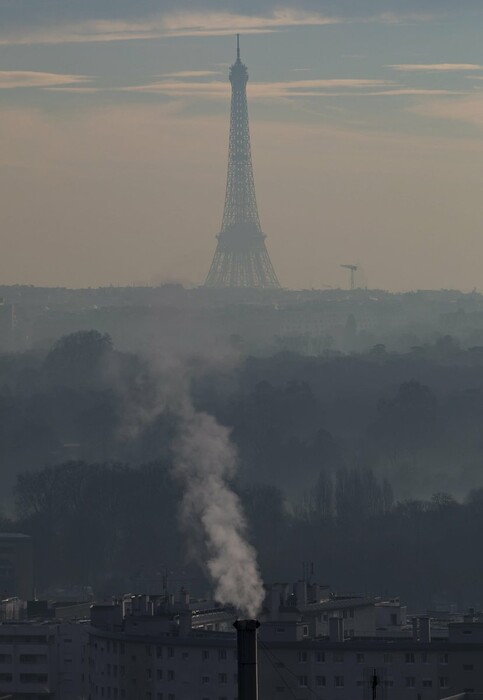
241,258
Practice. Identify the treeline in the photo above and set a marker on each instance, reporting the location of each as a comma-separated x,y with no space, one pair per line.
413,418
116,529
338,459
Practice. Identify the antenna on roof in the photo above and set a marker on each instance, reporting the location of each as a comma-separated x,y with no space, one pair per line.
237,47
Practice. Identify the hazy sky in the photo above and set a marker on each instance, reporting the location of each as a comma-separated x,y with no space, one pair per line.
367,138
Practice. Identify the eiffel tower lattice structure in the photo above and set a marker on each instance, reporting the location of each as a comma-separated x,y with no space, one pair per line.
241,258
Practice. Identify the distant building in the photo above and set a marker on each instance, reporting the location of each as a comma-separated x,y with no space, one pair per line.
16,566
7,326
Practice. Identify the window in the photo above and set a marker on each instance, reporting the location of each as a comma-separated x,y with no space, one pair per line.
32,658
388,658
170,675
6,677
338,657
108,668
159,652
393,619
147,649
159,675
443,682
468,667
424,658
33,678
305,631
5,658
205,654
443,658
114,671
302,655
410,658
427,683
205,679
320,657
389,683
360,658
351,612
170,652
222,654
339,681
222,678
410,682
302,681
184,655
320,681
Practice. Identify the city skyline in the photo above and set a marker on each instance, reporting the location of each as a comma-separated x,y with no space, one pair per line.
366,133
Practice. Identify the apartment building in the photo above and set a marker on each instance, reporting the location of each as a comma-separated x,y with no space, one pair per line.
152,649
41,660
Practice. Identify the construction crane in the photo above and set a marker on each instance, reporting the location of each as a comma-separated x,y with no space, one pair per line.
353,270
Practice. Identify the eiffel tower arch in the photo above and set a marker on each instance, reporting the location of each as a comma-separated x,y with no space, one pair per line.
241,258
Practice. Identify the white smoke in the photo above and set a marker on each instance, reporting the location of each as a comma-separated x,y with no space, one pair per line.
204,461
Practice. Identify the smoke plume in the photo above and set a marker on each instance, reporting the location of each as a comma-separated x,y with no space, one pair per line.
204,461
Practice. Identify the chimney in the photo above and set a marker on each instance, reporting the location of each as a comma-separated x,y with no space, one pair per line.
415,629
184,623
336,629
246,635
425,629
300,590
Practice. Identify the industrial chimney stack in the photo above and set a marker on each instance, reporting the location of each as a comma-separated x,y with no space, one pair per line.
246,632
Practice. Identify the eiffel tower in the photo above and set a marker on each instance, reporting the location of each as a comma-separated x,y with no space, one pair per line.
241,258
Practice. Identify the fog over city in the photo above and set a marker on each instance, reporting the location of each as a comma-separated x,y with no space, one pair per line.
241,349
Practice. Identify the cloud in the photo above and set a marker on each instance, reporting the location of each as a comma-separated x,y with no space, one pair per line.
176,24
466,110
289,88
223,23
191,74
412,91
436,67
75,90
24,79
